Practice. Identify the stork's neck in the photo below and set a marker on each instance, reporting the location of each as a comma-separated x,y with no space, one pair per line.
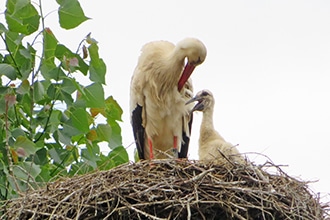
178,54
173,66
207,121
207,131
176,64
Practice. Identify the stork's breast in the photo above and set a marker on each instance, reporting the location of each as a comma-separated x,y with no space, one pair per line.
165,115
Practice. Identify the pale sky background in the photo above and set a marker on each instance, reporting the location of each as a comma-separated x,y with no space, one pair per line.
268,66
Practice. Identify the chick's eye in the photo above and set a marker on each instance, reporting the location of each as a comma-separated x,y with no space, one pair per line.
205,93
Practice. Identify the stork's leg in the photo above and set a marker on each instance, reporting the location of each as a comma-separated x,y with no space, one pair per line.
175,147
151,153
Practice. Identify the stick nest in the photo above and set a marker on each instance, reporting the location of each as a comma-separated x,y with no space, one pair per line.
172,189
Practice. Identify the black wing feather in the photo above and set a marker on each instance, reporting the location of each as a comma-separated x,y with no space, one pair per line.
138,130
186,139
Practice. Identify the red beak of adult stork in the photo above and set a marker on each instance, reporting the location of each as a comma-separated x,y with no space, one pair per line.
188,69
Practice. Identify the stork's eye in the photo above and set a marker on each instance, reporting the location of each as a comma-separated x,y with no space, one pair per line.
197,62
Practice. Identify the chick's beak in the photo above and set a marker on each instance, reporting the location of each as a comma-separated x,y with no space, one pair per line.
192,100
199,105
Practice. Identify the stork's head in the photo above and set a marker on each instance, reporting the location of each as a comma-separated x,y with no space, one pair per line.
195,52
204,100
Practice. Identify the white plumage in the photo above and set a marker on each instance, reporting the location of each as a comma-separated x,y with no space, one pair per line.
160,87
212,146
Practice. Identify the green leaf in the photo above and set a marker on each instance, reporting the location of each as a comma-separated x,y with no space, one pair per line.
64,135
23,144
69,130
104,132
22,17
55,154
62,156
116,139
65,55
3,29
105,163
55,73
8,70
80,168
17,132
26,53
44,175
55,120
70,14
97,66
29,54
50,43
26,104
90,155
113,110
24,87
68,85
94,95
38,91
14,40
41,157
79,139
25,69
19,58
26,170
55,93
119,155
80,120
136,155
67,98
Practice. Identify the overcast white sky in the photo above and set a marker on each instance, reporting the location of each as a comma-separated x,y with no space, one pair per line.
268,66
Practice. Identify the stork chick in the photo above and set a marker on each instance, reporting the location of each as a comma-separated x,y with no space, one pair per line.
212,146
160,87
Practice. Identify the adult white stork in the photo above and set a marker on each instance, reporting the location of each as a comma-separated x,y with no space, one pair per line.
212,146
160,87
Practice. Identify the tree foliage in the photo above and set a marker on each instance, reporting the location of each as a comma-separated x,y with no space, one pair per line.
48,119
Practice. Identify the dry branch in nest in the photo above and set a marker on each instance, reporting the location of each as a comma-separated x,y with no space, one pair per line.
173,189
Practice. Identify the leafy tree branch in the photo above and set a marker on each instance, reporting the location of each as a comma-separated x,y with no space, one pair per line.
47,116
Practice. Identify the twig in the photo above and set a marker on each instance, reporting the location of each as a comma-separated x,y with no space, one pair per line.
146,214
199,176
